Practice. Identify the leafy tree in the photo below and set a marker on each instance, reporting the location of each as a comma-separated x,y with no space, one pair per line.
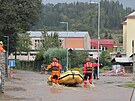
77,58
39,56
83,17
105,57
24,42
50,41
55,52
16,15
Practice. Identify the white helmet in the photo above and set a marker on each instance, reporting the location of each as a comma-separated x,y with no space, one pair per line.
1,43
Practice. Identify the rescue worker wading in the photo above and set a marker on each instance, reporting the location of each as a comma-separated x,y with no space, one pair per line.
56,68
87,71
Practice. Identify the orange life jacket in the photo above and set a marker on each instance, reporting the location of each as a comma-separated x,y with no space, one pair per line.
55,66
2,49
89,67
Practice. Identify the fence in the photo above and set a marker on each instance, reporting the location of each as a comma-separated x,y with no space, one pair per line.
2,70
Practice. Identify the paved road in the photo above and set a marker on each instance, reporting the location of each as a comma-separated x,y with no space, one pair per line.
31,86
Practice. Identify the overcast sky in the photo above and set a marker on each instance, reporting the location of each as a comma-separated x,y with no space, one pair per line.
126,3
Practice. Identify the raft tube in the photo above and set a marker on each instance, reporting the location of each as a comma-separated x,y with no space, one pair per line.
70,78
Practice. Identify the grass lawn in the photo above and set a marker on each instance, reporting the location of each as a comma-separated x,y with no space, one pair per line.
132,85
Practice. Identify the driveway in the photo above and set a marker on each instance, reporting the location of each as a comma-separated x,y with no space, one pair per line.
32,86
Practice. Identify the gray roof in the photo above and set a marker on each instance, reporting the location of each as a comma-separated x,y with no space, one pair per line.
132,14
61,34
122,60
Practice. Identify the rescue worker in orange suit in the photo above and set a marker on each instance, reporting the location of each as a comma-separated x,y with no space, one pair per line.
56,68
1,47
87,71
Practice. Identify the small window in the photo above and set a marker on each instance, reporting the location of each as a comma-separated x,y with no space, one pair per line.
91,54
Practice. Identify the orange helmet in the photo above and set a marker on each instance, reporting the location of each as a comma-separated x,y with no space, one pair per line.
55,60
87,59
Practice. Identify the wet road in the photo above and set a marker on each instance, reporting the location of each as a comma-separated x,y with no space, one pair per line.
31,86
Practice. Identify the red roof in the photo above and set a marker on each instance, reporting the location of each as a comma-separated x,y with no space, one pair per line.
103,41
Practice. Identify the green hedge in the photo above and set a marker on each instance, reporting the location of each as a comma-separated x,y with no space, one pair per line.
28,65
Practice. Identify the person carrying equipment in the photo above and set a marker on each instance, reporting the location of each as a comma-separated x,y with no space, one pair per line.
87,71
56,68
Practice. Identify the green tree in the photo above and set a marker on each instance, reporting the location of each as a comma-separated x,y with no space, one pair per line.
105,58
83,17
24,43
50,41
55,52
77,58
16,15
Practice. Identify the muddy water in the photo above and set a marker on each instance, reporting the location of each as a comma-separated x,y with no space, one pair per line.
30,86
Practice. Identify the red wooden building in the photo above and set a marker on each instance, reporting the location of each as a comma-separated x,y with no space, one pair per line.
105,44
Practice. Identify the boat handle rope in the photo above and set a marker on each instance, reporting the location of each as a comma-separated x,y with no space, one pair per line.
73,74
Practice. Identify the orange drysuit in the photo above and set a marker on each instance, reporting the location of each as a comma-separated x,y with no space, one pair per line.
2,49
87,71
56,67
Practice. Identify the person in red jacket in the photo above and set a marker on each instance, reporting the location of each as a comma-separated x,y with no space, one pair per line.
1,47
87,71
56,68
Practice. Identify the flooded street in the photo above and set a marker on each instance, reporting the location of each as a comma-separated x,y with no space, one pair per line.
31,86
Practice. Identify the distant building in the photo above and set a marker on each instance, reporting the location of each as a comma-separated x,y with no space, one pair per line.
129,33
125,62
105,44
73,40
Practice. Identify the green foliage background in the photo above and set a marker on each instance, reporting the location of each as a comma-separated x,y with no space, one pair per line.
83,17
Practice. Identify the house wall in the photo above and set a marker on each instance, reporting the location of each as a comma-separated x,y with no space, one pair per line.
35,42
130,35
124,36
75,43
104,44
87,44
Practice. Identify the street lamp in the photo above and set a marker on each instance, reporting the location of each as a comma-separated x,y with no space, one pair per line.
6,69
98,3
66,40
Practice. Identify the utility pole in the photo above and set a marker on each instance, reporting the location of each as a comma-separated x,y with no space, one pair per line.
133,60
66,40
6,69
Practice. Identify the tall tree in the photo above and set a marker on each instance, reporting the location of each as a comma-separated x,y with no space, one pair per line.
16,15
24,42
83,16
105,57
50,40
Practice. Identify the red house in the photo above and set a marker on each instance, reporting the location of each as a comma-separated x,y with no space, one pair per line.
105,44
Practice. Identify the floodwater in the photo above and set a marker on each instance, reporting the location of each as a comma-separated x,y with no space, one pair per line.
31,86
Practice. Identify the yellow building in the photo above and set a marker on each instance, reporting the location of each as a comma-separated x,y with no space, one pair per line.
129,33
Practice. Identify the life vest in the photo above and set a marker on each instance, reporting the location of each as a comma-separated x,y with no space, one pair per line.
55,67
89,67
